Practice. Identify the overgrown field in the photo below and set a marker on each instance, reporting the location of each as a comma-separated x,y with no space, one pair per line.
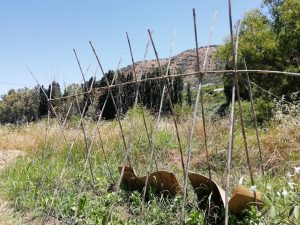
45,176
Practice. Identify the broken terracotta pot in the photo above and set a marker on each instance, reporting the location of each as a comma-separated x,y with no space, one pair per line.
130,180
242,197
165,183
162,182
204,187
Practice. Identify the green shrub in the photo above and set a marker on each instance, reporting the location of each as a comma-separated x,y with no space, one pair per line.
263,111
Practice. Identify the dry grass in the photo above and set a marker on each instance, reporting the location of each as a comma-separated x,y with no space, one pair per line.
22,137
280,141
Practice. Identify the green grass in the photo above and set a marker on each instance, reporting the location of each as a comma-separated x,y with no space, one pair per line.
31,188
31,183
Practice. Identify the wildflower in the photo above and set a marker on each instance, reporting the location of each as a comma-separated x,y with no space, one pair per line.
284,192
253,188
278,193
291,185
269,187
241,180
289,175
297,170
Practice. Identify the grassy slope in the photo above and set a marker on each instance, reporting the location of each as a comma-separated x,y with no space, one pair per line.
30,184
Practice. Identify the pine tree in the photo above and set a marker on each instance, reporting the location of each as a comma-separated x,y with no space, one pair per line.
189,94
109,111
121,95
53,92
43,103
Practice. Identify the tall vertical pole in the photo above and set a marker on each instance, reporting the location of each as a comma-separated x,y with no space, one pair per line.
254,120
154,136
199,97
231,132
138,98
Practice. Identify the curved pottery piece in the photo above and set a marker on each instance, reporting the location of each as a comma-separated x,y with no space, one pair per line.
165,183
242,197
204,187
162,182
130,181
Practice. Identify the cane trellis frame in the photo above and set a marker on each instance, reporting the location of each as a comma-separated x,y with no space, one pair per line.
235,73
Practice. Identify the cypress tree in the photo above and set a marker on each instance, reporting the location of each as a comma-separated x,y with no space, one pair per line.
43,103
109,111
189,94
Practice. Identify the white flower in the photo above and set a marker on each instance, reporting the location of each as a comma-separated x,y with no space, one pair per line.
284,192
241,180
269,187
297,169
289,175
253,188
291,185
278,193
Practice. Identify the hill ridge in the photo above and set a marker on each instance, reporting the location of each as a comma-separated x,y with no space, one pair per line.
185,62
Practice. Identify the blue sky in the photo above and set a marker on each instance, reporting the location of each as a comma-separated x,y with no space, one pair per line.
42,34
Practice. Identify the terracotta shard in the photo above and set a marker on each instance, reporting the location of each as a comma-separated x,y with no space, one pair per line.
243,197
130,181
162,182
204,187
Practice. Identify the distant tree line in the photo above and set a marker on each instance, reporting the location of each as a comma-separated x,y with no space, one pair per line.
27,105
150,92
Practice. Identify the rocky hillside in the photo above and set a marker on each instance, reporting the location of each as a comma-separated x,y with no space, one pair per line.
185,62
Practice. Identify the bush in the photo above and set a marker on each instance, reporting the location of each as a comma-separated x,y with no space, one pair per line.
263,111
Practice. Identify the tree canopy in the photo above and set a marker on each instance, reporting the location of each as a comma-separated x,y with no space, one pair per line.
268,41
19,106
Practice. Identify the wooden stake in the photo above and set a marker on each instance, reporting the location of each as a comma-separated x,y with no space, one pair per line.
113,100
82,121
70,152
51,158
138,98
231,134
254,120
154,138
47,127
90,148
169,101
199,96
236,86
236,79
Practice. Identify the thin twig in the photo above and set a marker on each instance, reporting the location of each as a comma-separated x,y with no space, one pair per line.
272,94
254,120
231,132
236,79
51,105
47,126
